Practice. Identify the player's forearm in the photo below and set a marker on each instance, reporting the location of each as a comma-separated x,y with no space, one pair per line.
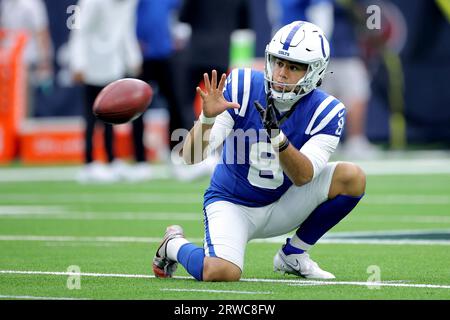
196,142
296,166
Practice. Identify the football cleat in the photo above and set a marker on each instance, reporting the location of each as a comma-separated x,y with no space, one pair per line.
163,267
300,265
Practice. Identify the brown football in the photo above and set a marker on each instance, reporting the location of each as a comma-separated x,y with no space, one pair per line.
122,100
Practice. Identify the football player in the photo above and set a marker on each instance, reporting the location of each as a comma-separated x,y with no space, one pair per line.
277,131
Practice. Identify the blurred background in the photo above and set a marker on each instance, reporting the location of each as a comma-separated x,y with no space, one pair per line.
392,71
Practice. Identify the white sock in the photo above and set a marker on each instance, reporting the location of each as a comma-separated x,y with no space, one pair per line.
173,246
298,243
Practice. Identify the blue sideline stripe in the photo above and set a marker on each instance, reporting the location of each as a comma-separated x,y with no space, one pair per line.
291,35
212,253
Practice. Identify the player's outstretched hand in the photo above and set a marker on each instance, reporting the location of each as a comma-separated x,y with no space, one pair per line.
213,101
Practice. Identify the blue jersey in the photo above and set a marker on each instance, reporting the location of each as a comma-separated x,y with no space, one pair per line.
294,10
249,173
343,42
153,27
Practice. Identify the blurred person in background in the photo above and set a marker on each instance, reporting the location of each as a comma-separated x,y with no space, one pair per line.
154,22
347,67
212,23
103,49
337,20
31,16
319,12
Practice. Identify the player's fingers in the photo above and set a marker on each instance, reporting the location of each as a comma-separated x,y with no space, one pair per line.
233,105
214,79
223,79
206,81
201,93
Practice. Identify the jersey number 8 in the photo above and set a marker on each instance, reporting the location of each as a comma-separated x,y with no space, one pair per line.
265,170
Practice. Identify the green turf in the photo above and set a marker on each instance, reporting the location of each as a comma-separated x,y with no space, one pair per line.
130,210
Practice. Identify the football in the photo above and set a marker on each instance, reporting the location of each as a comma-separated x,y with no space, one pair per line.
122,100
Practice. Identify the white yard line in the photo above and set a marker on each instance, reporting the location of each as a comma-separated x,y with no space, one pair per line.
439,163
65,214
190,198
133,216
411,199
13,210
431,219
116,197
37,174
276,281
69,173
280,239
84,274
82,244
83,239
356,283
377,284
216,291
38,298
387,242
386,232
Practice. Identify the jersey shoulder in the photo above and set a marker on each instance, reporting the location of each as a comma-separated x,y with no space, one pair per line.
327,114
243,86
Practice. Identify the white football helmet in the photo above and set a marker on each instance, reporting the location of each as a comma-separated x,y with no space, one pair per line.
300,42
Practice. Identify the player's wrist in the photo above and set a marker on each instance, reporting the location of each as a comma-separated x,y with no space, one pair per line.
206,120
280,142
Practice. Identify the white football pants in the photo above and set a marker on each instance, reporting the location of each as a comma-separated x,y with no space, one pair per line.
229,226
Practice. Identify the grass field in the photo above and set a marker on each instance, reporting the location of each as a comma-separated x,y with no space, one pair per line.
110,232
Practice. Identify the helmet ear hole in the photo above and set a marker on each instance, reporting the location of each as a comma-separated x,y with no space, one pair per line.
319,82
